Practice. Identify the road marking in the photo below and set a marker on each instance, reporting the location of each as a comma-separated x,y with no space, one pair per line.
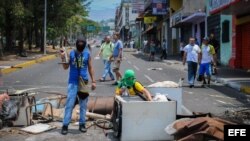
129,62
188,92
136,68
218,96
186,110
151,80
221,101
225,102
154,68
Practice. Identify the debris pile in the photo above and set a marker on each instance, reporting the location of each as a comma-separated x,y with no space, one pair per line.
198,129
240,116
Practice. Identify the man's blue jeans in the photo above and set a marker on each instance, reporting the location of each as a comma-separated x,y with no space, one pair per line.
192,69
70,103
107,70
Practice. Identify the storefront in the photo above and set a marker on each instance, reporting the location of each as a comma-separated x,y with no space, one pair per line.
234,31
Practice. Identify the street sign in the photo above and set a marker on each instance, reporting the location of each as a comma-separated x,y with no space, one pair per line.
149,20
137,6
105,28
91,28
159,7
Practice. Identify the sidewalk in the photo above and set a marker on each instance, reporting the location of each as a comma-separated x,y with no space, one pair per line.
235,78
12,63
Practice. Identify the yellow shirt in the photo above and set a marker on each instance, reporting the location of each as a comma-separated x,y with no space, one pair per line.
131,90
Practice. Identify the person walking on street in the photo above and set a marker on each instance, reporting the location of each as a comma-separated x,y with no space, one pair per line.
191,56
182,49
164,50
216,45
79,65
117,57
152,48
106,51
207,55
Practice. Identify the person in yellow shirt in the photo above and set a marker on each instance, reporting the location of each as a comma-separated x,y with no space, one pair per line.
133,87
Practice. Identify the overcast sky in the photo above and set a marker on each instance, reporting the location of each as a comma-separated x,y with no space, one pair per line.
103,9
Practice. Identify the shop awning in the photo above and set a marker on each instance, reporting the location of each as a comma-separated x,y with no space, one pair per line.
194,17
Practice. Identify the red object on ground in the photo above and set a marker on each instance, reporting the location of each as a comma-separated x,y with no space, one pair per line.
3,97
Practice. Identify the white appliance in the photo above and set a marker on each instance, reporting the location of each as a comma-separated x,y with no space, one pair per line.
144,120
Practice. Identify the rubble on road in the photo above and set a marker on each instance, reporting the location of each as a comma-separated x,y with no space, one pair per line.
11,131
38,128
198,129
240,116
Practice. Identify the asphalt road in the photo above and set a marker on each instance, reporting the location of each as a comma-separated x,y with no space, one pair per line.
50,77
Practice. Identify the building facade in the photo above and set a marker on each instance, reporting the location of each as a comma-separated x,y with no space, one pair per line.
125,20
189,20
233,26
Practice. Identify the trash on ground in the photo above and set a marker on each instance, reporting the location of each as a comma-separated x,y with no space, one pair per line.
38,128
198,129
98,116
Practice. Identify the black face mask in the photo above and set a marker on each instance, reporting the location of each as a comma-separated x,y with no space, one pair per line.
80,46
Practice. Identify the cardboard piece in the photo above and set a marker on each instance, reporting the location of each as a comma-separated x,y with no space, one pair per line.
38,128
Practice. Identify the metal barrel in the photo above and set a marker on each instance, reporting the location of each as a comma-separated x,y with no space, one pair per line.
101,104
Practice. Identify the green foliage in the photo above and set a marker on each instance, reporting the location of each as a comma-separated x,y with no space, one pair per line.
63,16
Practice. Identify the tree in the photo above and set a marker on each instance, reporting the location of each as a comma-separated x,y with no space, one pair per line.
23,20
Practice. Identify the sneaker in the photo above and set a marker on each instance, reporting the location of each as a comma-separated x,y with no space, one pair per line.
64,130
116,83
191,86
101,79
82,128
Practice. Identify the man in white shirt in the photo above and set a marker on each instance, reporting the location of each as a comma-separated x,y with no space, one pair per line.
192,54
208,55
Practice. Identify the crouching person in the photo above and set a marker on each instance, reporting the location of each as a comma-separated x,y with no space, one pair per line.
132,86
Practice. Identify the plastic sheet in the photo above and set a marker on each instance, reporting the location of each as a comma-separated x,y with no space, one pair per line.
9,110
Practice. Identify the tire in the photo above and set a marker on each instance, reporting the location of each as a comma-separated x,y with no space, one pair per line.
117,119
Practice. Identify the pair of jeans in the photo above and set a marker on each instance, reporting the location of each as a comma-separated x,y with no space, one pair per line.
192,69
70,104
107,70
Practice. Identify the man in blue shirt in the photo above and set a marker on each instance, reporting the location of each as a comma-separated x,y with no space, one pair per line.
117,57
79,64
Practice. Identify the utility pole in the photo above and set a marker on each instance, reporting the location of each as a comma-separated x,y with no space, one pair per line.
140,40
45,22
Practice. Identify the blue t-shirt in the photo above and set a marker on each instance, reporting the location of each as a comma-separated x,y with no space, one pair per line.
118,45
83,59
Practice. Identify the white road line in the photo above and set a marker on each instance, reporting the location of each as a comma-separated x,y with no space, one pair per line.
186,110
129,62
221,101
218,96
151,80
225,102
136,68
188,92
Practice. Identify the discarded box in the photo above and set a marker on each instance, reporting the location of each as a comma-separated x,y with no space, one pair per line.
38,128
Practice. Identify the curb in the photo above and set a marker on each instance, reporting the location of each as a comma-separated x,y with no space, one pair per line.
27,64
245,89
237,86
